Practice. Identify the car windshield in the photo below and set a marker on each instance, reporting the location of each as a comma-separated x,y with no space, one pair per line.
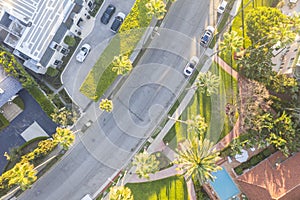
85,50
109,10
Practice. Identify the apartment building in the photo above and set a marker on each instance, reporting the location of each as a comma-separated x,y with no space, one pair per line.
35,29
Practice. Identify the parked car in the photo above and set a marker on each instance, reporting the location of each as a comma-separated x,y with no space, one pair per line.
82,54
190,66
222,7
207,36
117,22
108,13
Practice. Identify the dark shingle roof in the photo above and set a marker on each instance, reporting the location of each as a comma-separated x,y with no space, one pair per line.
10,86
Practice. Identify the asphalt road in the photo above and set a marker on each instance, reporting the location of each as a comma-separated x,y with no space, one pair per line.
139,106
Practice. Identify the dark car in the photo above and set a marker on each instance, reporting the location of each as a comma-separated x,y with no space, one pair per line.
110,10
118,22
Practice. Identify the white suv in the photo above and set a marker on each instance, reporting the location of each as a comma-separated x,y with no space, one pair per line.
222,7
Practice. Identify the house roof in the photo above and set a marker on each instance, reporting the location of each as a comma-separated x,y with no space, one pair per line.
43,19
9,87
269,181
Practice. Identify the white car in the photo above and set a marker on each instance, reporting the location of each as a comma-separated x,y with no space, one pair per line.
207,36
222,7
191,66
84,51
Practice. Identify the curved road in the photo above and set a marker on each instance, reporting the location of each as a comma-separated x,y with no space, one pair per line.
141,103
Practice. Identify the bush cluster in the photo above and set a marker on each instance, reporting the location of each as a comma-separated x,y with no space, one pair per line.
254,160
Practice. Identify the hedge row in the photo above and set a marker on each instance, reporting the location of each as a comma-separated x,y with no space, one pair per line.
254,160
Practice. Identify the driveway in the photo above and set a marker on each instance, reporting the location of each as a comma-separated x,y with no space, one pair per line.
11,137
75,73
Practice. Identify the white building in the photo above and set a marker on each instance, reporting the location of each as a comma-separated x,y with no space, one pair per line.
35,29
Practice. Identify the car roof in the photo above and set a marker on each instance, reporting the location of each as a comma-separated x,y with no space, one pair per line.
120,14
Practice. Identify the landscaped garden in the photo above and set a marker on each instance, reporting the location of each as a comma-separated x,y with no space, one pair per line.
101,76
239,22
207,107
169,188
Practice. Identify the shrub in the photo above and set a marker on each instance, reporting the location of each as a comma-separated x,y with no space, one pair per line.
19,102
255,160
70,40
52,72
238,170
3,122
267,152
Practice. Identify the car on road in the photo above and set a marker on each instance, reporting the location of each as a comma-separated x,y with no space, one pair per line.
117,22
108,13
207,36
222,7
191,66
82,54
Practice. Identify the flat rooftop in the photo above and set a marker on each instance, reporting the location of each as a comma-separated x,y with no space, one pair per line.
41,19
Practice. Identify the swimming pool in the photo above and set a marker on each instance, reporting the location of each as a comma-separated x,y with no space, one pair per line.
223,185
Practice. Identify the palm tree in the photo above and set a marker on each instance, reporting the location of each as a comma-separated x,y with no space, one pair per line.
120,193
121,65
196,125
207,83
64,137
156,8
106,105
145,164
197,159
231,43
22,174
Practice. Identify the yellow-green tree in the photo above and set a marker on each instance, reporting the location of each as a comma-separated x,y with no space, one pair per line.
145,164
121,65
156,8
64,137
106,105
22,174
208,83
120,193
197,159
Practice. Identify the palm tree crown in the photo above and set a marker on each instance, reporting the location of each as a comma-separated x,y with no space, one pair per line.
197,159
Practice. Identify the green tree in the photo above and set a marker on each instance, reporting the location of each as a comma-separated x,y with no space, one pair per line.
156,8
120,193
64,137
121,65
256,64
197,159
22,174
266,26
207,83
145,164
281,84
106,105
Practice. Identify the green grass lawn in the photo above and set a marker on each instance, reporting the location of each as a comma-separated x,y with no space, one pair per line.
164,189
101,76
211,108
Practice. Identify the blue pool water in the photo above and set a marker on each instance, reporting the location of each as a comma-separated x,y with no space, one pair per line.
223,185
